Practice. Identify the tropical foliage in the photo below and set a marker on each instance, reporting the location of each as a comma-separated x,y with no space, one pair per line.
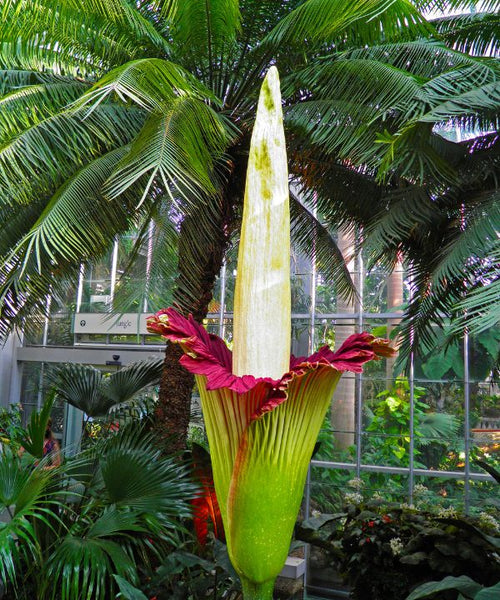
106,516
114,113
95,392
385,550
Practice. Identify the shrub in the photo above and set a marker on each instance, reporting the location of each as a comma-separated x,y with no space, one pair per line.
384,551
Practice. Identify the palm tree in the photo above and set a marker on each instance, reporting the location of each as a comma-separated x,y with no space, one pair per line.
432,186
115,113
110,511
95,392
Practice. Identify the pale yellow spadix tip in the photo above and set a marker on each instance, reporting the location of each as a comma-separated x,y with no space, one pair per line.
262,305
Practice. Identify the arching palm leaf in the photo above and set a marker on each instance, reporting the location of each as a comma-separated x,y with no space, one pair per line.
475,33
178,147
314,240
327,20
26,495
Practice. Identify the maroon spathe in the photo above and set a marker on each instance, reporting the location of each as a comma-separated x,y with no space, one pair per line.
206,354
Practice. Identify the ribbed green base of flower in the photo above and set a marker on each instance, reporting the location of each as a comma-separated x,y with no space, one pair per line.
257,591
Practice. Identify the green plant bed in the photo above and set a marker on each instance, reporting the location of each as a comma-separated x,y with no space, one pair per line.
384,551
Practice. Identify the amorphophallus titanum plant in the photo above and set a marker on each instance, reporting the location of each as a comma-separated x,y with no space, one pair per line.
262,408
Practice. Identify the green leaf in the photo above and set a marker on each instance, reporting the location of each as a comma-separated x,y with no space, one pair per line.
463,584
127,590
489,593
35,431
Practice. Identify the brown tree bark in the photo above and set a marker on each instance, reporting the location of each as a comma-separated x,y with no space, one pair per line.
202,244
343,411
394,302
204,237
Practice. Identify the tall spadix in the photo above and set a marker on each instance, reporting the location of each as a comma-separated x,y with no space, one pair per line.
262,305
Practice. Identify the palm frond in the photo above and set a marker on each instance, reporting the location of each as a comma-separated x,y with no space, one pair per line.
55,34
33,439
82,567
80,386
178,147
456,5
374,86
32,104
422,323
355,22
422,57
157,239
91,391
129,381
14,79
478,244
475,34
417,154
75,222
204,28
437,427
135,478
74,226
344,195
480,309
402,213
39,158
315,242
26,495
151,83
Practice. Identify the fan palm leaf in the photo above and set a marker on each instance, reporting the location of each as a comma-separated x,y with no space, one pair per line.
93,392
134,479
24,497
81,568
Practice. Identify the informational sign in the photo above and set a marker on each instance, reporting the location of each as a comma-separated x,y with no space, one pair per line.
99,323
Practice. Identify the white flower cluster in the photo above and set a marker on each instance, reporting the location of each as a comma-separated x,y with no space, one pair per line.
406,506
396,546
489,522
447,513
355,483
353,497
377,496
419,489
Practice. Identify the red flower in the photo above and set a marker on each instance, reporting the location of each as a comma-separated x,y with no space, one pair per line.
205,506
371,523
206,354
386,519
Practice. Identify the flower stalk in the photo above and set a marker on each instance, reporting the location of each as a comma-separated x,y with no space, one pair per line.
262,301
263,409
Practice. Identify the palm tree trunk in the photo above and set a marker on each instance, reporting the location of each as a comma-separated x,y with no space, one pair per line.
344,399
203,239
394,302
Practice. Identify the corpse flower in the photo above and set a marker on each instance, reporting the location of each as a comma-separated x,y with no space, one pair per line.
262,408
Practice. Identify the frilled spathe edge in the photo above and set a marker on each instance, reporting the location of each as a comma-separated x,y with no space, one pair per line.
206,354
